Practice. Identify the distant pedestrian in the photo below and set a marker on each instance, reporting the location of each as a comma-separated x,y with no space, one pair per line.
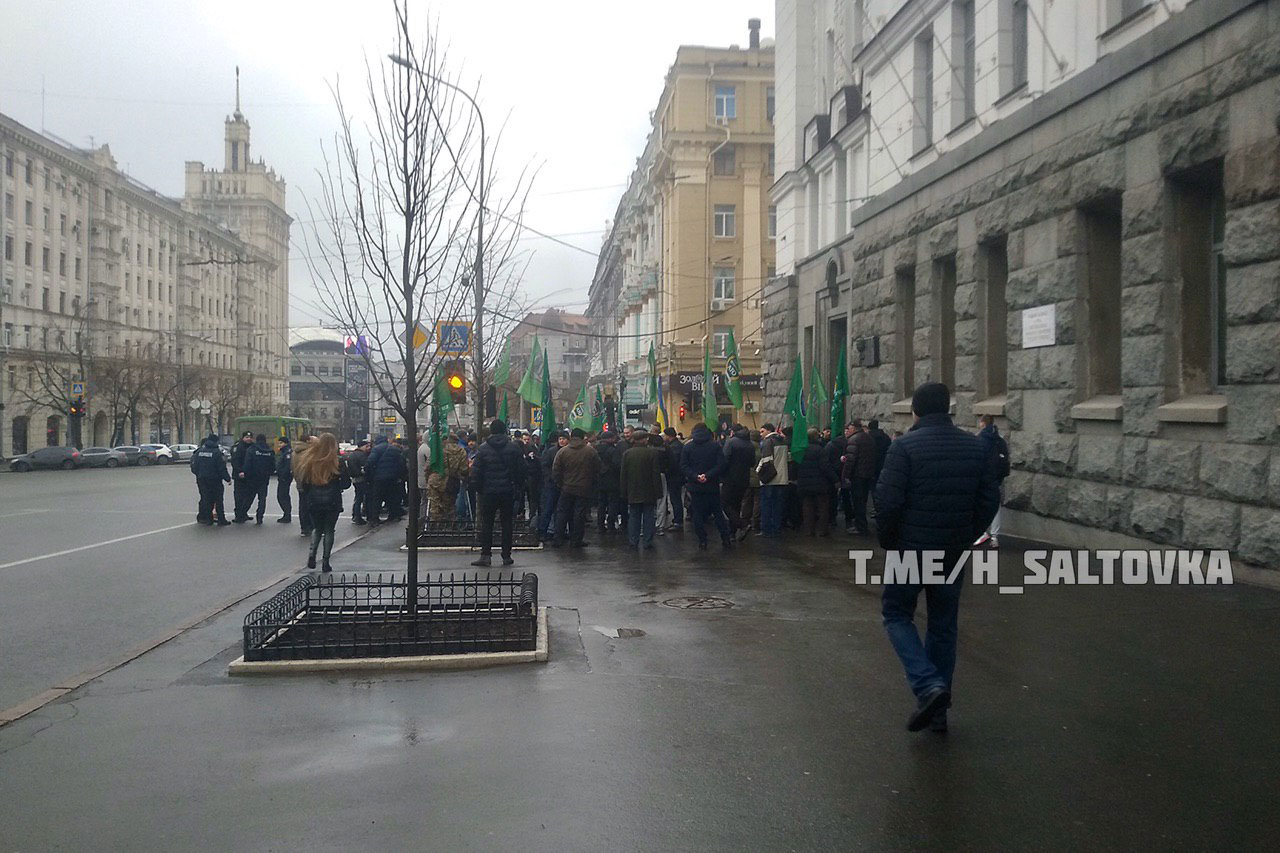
860,460
284,480
305,442
673,447
241,494
575,470
550,490
998,449
386,470
703,462
640,480
210,468
814,478
938,491
882,441
612,506
356,461
773,472
739,458
259,465
498,474
322,478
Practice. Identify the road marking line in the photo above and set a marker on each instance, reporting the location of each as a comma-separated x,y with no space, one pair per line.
90,547
23,512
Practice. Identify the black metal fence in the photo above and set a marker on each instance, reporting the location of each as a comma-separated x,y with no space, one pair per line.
457,533
326,616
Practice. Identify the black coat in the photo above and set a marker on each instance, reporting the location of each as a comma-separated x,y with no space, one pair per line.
702,455
739,457
547,458
675,472
938,489
610,479
813,474
259,462
208,463
882,441
326,498
284,462
498,469
386,462
239,455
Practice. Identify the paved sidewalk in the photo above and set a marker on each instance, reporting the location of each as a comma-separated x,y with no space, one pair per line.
1085,718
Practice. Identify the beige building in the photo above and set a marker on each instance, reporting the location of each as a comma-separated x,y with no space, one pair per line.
135,302
693,239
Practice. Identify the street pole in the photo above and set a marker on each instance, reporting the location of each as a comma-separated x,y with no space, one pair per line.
477,330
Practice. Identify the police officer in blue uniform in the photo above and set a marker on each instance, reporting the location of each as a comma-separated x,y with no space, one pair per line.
210,468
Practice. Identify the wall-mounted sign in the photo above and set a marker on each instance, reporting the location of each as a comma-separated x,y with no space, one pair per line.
1039,326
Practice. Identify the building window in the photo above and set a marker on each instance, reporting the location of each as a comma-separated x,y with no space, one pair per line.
62,303
44,259
62,264
46,219
723,285
922,92
905,331
28,213
8,205
8,248
30,171
1200,206
62,224
1012,45
725,226
27,253
772,161
964,63
8,164
1119,11
77,269
993,259
720,341
944,294
773,222
44,300
295,370
1101,296
726,102
769,103
724,162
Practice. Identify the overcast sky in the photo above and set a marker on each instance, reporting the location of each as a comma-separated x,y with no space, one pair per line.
575,82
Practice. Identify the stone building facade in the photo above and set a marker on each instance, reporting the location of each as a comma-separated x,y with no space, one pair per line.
1100,270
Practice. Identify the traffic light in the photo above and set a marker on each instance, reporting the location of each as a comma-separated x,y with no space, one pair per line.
456,378
683,411
77,408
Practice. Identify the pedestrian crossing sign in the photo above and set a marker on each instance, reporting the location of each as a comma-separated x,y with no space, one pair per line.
453,339
77,389
536,417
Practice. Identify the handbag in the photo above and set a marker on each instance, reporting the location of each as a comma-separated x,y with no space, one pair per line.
766,470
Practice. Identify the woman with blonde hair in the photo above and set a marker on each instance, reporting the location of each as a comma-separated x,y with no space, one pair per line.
321,477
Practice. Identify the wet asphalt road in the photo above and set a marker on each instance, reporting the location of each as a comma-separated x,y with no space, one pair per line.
65,613
1085,718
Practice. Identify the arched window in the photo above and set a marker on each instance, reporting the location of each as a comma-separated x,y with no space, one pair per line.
18,430
53,430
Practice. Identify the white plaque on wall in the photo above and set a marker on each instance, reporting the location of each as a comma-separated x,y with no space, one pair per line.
1038,326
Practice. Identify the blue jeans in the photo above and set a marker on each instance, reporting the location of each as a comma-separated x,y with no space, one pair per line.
547,512
928,665
640,524
773,503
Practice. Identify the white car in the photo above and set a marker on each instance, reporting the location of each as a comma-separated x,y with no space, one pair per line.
164,453
182,452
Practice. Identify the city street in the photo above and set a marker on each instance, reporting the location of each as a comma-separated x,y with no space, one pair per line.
1088,717
94,563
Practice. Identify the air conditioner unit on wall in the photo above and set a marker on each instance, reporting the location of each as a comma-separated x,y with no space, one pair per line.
720,304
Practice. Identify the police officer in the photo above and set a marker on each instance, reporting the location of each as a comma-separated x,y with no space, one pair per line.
240,494
210,468
284,479
259,465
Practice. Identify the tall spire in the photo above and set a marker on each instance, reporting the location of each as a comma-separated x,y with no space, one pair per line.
238,115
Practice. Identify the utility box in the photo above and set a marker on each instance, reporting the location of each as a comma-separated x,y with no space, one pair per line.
868,351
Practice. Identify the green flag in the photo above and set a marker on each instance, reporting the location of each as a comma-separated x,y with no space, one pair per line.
817,396
580,414
548,411
733,371
441,399
530,388
840,392
502,410
597,411
794,405
435,441
710,412
800,436
503,373
653,376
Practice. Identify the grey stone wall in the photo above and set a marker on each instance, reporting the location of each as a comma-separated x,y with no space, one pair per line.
1213,98
780,319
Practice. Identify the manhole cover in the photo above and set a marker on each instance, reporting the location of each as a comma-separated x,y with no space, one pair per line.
697,602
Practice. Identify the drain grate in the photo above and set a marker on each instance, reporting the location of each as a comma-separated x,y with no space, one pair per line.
698,602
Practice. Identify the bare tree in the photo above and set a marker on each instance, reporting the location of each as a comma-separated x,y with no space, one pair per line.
393,246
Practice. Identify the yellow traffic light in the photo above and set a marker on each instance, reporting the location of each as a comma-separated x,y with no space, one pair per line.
455,382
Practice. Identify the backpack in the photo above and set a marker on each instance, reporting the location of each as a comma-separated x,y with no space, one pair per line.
1002,457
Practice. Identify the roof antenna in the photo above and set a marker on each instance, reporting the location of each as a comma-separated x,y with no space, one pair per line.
238,115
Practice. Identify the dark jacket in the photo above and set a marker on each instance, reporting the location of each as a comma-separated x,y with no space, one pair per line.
259,463
860,456
813,474
702,454
995,446
610,466
938,489
576,468
739,457
832,452
882,447
641,476
284,462
239,455
532,465
386,462
674,449
326,498
208,463
546,459
356,461
498,469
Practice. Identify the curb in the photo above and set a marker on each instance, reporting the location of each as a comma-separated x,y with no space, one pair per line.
417,663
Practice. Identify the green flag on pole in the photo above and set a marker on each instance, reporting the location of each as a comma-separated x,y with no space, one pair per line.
530,388
840,392
733,371
580,414
794,405
799,436
441,399
710,412
597,411
817,396
503,373
653,376
502,410
548,410
435,442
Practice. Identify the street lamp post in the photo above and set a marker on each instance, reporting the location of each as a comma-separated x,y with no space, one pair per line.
477,330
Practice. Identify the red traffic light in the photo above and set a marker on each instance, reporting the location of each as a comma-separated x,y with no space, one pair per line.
683,411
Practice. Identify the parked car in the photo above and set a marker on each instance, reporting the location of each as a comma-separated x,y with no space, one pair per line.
136,455
47,457
102,457
164,453
182,452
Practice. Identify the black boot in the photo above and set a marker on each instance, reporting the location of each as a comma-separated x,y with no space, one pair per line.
284,519
311,560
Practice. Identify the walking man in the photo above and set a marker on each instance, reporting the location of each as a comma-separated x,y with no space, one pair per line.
498,475
210,468
998,449
284,480
859,472
938,491
575,470
675,477
641,483
739,458
356,461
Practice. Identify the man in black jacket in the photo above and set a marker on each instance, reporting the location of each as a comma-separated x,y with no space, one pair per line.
739,458
612,507
937,493
241,496
356,461
284,480
550,491
259,465
498,475
703,463
675,477
210,468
